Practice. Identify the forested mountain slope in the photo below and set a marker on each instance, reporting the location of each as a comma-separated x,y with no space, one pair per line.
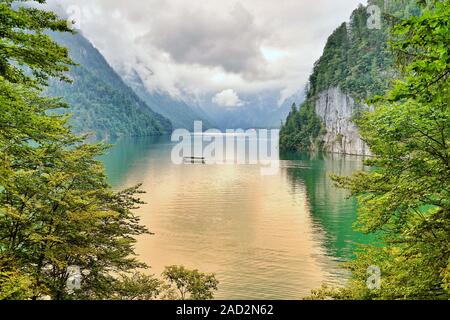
99,100
257,110
177,111
356,64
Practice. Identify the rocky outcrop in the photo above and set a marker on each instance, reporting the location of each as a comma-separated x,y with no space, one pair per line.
337,110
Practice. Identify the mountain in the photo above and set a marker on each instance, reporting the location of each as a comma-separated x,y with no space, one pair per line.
298,99
257,111
177,111
99,99
120,102
356,64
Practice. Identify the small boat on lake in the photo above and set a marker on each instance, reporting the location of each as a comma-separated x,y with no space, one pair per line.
194,160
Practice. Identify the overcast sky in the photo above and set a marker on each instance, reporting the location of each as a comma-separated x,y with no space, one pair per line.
212,47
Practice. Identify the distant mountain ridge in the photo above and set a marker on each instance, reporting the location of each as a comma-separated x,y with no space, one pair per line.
117,102
177,111
257,111
99,99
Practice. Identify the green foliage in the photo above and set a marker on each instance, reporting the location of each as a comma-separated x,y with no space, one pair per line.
355,59
23,43
137,286
14,285
56,207
180,114
191,284
99,100
177,283
407,196
301,129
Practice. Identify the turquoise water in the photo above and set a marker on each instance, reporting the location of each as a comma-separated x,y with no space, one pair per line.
265,237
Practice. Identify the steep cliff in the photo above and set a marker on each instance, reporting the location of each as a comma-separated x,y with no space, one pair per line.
356,64
337,110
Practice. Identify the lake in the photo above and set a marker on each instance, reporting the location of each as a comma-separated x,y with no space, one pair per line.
265,237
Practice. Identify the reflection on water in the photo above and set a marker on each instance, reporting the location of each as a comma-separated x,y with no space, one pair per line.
266,237
331,211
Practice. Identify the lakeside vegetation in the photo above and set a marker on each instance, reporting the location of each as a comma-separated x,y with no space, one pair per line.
358,61
56,207
98,99
406,197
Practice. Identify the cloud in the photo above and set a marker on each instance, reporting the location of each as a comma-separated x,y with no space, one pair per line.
197,48
201,36
227,98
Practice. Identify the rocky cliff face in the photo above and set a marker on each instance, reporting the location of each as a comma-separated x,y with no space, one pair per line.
336,110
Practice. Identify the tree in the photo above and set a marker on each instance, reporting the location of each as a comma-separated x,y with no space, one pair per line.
14,284
356,60
191,284
28,55
301,129
56,207
57,211
406,197
138,286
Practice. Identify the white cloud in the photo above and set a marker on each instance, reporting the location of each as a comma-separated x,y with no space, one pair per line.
227,98
272,55
198,48
229,39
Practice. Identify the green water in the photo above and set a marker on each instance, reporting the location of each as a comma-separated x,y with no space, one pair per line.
265,237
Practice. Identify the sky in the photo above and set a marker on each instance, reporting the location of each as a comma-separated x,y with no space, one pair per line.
215,48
